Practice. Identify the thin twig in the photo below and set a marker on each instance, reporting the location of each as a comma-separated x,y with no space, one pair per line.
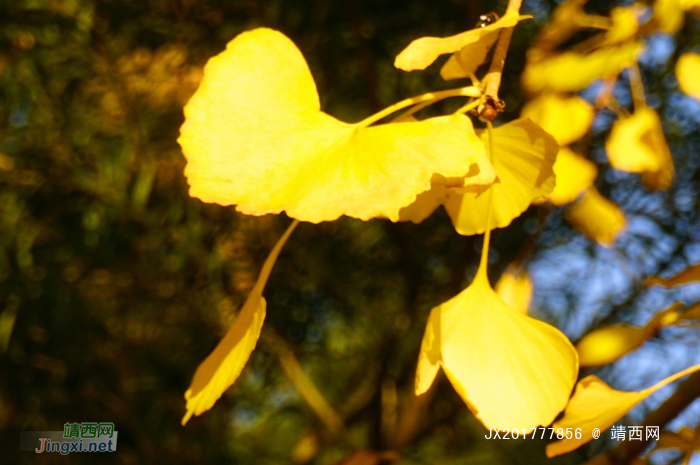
492,80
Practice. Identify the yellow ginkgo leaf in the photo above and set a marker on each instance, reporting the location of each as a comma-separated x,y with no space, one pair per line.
669,15
254,136
567,118
511,370
608,344
422,52
566,19
625,22
597,405
572,71
597,217
575,175
689,275
523,156
687,72
515,289
637,145
223,366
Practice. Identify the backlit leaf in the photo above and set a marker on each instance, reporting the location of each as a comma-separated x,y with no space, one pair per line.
625,24
422,52
223,366
254,137
597,217
511,370
597,405
605,345
572,71
515,289
669,15
637,144
523,157
687,72
575,175
567,118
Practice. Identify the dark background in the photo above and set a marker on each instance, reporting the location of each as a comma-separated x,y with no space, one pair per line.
119,284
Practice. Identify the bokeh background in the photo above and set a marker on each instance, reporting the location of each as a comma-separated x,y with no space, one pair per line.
115,284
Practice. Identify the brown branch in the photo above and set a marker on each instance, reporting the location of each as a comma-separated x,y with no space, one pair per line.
625,452
492,106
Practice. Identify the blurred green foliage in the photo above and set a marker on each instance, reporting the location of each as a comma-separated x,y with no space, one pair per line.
115,284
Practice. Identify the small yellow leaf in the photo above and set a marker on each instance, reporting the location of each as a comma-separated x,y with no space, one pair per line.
515,289
254,137
605,345
223,366
669,15
567,118
637,144
597,217
566,19
422,52
687,72
689,275
596,405
572,71
625,24
608,344
575,175
523,156
511,370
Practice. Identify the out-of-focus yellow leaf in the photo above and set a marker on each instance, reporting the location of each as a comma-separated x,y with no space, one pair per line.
567,118
637,145
305,449
572,71
422,52
608,344
597,217
566,19
688,72
223,366
597,405
523,157
515,289
511,370
669,15
625,24
575,175
254,136
689,275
